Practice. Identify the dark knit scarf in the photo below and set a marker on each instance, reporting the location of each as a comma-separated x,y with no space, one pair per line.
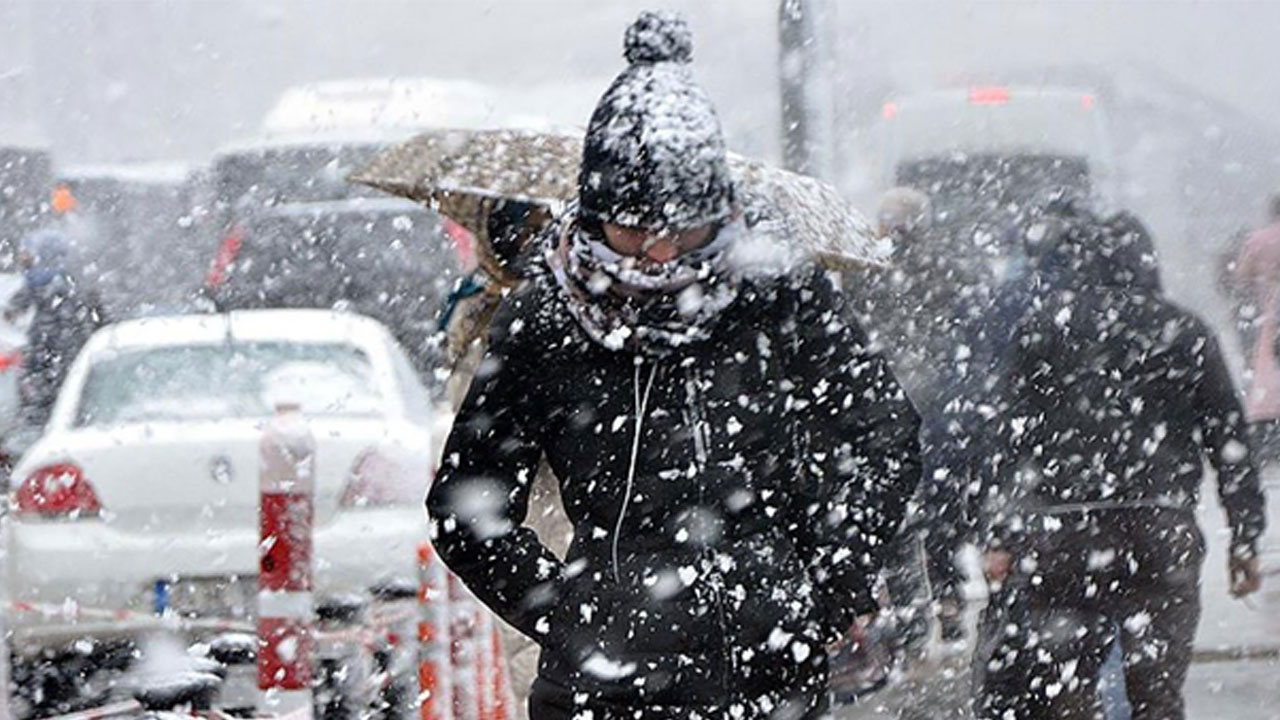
626,304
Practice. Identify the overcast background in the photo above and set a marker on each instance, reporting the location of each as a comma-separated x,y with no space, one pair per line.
108,80
1191,85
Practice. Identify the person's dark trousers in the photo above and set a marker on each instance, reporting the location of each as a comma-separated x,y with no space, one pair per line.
1079,579
908,589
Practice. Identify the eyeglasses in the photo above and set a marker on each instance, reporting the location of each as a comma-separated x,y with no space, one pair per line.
658,246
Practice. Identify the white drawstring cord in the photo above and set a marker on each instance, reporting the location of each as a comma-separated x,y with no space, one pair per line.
642,406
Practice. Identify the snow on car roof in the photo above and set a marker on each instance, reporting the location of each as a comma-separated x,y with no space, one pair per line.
347,205
336,139
243,325
387,103
151,173
1012,93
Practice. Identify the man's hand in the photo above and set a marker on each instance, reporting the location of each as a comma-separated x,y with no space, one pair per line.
855,634
1246,577
996,565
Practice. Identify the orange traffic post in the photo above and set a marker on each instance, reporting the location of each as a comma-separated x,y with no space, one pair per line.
462,651
435,671
503,697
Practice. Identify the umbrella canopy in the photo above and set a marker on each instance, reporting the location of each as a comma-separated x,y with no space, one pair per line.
468,175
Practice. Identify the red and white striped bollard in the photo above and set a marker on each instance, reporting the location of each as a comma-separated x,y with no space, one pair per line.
435,665
463,650
286,612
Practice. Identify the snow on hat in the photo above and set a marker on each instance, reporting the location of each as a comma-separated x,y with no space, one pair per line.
654,155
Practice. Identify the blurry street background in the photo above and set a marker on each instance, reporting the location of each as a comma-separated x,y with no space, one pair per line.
154,80
1188,87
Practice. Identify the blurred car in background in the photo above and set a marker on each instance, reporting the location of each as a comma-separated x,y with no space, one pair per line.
390,107
1028,126
141,499
386,258
133,234
984,155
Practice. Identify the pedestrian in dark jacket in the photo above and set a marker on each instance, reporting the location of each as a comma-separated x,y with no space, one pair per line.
66,313
730,454
913,310
1118,397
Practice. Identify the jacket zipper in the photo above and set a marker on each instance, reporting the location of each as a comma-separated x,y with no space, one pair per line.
697,424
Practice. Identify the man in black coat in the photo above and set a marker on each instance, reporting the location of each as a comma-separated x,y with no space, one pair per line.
731,455
1118,397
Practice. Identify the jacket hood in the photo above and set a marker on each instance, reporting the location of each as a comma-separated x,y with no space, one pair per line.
1117,252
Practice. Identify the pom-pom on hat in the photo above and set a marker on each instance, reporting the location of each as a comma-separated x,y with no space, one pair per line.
654,155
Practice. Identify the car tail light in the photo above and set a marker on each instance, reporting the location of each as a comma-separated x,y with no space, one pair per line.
57,491
890,110
10,361
228,251
1087,101
376,481
992,95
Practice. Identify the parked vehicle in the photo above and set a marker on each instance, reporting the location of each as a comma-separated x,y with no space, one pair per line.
133,234
141,498
386,258
985,155
389,106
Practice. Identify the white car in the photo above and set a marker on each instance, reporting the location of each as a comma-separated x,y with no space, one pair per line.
140,502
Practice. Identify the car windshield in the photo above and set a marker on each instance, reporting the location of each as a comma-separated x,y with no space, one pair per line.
236,380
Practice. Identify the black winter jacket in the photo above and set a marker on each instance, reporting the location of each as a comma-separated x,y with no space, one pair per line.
722,534
1119,396
67,312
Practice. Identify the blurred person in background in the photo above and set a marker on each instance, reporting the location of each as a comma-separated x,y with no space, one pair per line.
1257,273
1117,398
731,454
66,311
912,310
1239,296
908,310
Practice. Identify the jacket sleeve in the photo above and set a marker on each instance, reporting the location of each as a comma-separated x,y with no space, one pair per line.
21,301
1021,398
1226,443
859,439
479,499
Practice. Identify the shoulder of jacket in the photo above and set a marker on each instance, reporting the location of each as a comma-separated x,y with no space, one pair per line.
533,313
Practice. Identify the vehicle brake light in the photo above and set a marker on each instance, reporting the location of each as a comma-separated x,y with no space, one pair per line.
990,95
228,251
59,490
10,361
890,110
1087,101
376,481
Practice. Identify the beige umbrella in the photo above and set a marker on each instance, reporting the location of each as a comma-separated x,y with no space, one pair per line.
466,174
